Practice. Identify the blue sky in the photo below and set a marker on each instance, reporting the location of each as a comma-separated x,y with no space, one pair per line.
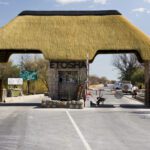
137,11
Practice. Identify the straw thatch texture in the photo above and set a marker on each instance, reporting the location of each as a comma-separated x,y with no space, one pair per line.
71,37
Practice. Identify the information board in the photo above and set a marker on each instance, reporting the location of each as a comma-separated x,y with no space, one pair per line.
15,81
28,75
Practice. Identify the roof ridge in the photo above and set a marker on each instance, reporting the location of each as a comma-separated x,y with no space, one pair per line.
71,13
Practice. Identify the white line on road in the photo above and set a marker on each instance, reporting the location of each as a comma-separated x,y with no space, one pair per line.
87,146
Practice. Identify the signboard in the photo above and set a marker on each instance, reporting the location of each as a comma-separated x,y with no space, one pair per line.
28,75
15,81
67,65
118,94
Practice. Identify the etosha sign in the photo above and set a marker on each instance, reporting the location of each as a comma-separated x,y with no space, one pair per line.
67,65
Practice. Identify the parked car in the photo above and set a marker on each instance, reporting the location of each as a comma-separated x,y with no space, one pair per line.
127,87
117,85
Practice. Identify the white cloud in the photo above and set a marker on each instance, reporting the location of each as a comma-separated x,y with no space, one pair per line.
70,1
148,11
4,2
148,1
101,1
80,1
141,10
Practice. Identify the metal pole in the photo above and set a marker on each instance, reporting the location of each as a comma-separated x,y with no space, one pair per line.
87,70
87,78
28,87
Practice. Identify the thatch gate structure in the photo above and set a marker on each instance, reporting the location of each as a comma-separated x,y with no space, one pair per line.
70,35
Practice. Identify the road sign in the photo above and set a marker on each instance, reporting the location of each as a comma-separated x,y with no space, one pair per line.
118,94
28,75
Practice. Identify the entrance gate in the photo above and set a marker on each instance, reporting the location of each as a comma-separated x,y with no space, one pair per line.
71,35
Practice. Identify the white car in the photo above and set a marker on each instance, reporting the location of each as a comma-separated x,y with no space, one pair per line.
127,87
118,85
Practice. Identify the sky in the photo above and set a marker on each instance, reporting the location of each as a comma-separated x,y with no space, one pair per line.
136,11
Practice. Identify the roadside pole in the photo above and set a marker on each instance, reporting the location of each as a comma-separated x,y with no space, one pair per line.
28,87
87,79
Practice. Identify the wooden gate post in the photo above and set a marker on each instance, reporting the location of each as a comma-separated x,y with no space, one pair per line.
147,83
1,91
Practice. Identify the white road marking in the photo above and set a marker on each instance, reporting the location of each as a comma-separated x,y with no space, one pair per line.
87,146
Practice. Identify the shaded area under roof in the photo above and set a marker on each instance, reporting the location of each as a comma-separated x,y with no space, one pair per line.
70,35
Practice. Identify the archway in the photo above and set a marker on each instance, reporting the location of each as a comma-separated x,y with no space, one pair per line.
71,35
115,84
23,78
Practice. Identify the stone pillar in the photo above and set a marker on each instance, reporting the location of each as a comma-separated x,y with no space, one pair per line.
1,91
147,83
53,83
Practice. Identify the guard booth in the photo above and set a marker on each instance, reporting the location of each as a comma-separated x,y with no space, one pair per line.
65,78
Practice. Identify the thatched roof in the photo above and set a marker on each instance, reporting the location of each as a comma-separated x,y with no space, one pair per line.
69,35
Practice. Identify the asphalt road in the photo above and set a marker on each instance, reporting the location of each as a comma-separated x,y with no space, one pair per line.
120,125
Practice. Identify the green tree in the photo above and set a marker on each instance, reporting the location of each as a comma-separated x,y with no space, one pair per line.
97,80
42,69
28,63
39,65
8,70
103,80
126,64
94,80
138,76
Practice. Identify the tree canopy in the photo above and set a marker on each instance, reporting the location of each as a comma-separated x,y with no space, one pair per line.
129,67
8,70
126,64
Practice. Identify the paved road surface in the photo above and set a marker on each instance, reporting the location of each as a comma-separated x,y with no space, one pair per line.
120,125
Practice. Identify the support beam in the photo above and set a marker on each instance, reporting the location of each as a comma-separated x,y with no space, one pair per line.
147,83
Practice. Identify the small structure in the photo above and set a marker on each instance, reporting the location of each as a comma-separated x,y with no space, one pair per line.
65,78
14,87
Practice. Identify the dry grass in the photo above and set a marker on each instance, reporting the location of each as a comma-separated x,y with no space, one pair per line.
71,37
96,87
35,87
